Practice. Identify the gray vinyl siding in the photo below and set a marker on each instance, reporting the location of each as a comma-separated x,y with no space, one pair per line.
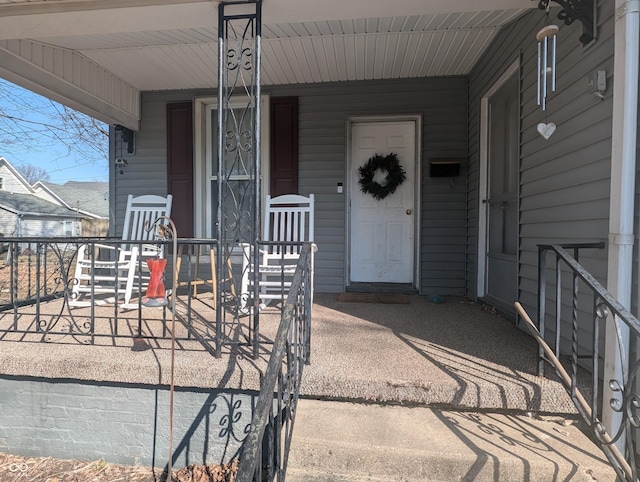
34,226
323,113
146,171
564,181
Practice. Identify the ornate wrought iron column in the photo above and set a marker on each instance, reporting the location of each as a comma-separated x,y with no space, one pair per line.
238,220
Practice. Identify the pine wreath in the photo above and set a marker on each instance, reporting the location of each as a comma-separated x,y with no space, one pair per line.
395,175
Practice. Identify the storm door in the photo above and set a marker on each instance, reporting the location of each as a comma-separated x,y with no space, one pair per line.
502,201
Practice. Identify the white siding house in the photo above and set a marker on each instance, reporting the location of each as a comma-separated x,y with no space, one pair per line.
23,214
88,199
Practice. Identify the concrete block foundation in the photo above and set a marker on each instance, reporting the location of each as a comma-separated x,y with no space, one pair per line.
121,423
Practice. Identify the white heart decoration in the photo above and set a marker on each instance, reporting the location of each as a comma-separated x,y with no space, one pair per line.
546,130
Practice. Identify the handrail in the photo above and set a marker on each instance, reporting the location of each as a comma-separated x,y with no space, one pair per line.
596,286
292,339
604,309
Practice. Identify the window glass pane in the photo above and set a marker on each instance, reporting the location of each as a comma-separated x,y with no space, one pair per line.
238,194
238,140
238,202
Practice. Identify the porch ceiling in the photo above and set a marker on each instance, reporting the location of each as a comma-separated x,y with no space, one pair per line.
141,45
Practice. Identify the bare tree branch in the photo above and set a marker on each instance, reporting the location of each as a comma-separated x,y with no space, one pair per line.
36,124
32,174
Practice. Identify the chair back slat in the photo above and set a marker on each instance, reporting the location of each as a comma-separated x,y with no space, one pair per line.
141,213
288,219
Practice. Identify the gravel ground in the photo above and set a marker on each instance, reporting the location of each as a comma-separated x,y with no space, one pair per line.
47,469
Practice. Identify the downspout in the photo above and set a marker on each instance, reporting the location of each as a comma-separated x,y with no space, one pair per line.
621,209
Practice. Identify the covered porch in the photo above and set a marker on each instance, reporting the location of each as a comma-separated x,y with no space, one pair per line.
148,70
373,347
111,367
402,350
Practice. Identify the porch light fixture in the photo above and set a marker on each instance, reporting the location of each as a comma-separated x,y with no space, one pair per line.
125,136
583,11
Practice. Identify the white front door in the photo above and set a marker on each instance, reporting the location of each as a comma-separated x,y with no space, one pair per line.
382,232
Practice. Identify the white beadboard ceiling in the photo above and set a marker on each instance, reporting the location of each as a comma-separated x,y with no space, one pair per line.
172,44
320,51
429,44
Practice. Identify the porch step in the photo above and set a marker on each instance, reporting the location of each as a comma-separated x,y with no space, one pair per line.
349,442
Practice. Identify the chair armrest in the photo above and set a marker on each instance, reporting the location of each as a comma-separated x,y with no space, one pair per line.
246,248
105,246
150,250
85,254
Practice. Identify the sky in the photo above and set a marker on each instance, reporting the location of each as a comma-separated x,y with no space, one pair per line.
42,149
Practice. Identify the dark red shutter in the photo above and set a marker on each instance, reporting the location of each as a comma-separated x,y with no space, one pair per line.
180,166
284,146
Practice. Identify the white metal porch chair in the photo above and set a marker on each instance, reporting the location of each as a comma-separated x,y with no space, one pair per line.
112,269
288,219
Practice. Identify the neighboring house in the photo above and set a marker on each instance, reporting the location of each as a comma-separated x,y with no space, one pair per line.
441,83
90,199
11,180
24,214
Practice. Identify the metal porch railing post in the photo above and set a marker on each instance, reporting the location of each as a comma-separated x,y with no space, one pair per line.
596,357
574,327
604,307
558,318
542,301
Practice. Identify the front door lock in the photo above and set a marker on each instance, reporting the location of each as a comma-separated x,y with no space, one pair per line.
409,211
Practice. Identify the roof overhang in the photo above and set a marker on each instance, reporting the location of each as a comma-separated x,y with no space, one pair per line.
98,55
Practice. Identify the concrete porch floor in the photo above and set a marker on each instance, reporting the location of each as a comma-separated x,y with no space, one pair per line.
452,355
411,384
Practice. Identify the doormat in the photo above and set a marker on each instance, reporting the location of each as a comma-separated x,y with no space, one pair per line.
386,298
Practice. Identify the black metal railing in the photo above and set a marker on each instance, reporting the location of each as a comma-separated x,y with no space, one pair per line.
266,448
575,333
543,250
42,296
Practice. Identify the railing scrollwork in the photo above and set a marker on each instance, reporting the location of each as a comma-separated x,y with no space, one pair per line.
618,442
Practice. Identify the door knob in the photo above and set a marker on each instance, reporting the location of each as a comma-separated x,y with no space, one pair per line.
409,211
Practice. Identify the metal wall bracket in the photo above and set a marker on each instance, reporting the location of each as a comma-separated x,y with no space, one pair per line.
582,10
